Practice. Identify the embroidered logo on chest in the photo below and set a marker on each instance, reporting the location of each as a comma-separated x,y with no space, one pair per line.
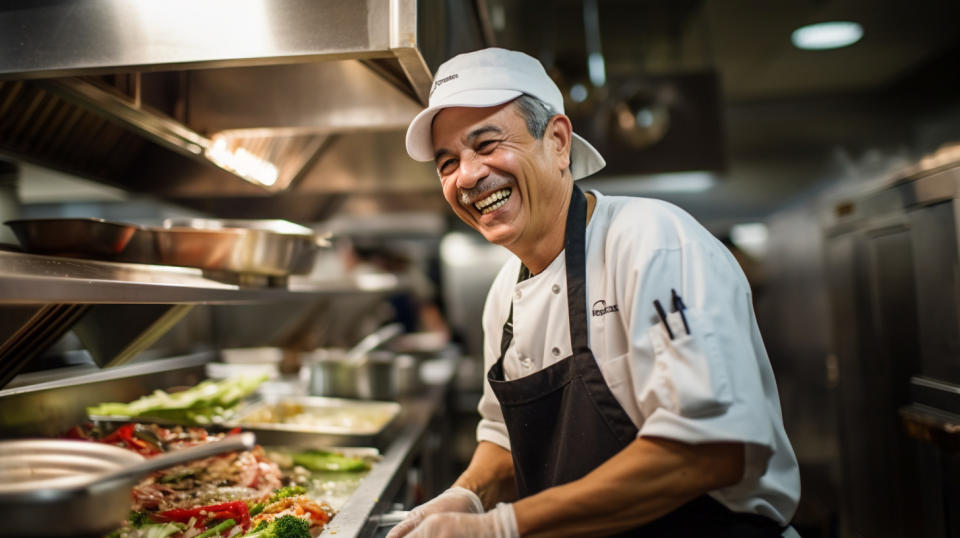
600,308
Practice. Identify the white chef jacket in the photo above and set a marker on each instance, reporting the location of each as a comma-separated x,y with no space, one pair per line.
637,249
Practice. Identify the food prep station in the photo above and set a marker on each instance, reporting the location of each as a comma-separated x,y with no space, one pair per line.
50,407
120,301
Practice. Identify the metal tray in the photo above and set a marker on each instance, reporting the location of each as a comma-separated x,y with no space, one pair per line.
236,249
318,421
84,238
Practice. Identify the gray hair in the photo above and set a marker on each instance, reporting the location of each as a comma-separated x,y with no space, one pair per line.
536,113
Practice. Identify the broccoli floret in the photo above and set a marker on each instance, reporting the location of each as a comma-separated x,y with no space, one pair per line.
287,491
138,519
285,526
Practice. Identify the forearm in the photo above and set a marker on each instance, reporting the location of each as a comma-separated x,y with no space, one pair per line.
490,475
646,480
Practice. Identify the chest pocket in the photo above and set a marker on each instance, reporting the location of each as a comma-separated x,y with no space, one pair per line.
690,376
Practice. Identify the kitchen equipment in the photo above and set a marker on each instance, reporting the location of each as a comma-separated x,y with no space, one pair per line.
83,238
270,248
359,372
55,487
374,340
320,421
369,377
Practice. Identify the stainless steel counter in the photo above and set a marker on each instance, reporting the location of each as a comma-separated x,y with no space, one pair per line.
376,492
33,279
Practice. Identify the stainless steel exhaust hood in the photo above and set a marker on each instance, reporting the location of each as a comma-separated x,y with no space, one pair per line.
217,90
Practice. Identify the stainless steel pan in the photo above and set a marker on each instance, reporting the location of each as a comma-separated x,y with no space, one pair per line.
51,487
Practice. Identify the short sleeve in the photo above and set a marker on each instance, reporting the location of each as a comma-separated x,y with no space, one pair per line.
721,397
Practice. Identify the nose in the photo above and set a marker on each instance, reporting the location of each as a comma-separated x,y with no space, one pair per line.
472,170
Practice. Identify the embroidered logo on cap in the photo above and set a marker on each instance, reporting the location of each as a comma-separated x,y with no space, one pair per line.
444,80
600,308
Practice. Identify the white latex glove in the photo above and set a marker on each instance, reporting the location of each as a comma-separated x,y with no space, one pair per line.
500,522
455,499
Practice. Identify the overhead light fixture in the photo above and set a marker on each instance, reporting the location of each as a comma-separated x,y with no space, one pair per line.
242,162
827,35
750,237
668,183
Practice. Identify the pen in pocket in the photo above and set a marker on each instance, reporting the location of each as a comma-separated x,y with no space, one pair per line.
663,317
678,306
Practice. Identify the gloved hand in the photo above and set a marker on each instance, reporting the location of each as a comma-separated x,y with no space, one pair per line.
501,522
455,499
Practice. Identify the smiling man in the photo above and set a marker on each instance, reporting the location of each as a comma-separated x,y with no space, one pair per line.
603,414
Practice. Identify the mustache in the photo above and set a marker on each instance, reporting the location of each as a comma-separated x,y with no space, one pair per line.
486,185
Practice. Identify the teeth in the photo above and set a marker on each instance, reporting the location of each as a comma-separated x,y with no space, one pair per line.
493,202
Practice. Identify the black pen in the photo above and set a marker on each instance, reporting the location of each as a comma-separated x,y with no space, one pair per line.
678,306
663,317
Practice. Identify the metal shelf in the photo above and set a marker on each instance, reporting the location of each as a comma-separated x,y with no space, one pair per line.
33,279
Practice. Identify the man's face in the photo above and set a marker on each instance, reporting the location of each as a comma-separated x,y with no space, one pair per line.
496,176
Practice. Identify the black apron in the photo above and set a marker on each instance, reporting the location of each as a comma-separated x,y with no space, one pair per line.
563,421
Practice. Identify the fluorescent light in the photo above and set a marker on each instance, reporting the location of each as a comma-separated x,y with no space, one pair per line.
827,35
676,182
598,73
750,237
578,92
241,162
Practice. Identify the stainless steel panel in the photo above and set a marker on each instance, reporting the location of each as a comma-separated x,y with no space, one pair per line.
316,98
64,37
49,408
938,290
30,279
876,342
114,334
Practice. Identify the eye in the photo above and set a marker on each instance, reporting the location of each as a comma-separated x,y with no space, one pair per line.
486,146
447,166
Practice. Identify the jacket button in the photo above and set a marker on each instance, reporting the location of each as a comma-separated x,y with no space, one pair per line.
555,351
525,362
556,288
518,294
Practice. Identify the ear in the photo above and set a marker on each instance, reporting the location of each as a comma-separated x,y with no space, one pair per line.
559,137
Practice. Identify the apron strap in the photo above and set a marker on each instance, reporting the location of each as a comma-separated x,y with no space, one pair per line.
574,246
575,255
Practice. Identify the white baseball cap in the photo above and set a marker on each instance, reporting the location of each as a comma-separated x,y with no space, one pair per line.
491,77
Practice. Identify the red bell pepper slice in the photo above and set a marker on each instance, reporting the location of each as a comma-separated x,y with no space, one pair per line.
237,510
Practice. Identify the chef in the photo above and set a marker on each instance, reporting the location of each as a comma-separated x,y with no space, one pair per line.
627,389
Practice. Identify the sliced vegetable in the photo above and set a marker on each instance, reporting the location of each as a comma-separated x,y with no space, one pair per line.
236,510
321,460
199,404
218,528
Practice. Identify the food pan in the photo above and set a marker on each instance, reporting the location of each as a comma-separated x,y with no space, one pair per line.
275,248
57,487
256,250
318,421
84,238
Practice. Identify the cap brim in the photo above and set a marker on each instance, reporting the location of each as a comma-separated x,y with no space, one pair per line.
585,159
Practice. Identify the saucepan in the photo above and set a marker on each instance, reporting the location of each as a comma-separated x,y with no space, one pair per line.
59,487
362,372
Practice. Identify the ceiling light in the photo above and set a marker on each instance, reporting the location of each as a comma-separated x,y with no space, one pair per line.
750,237
578,92
242,162
669,183
827,35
